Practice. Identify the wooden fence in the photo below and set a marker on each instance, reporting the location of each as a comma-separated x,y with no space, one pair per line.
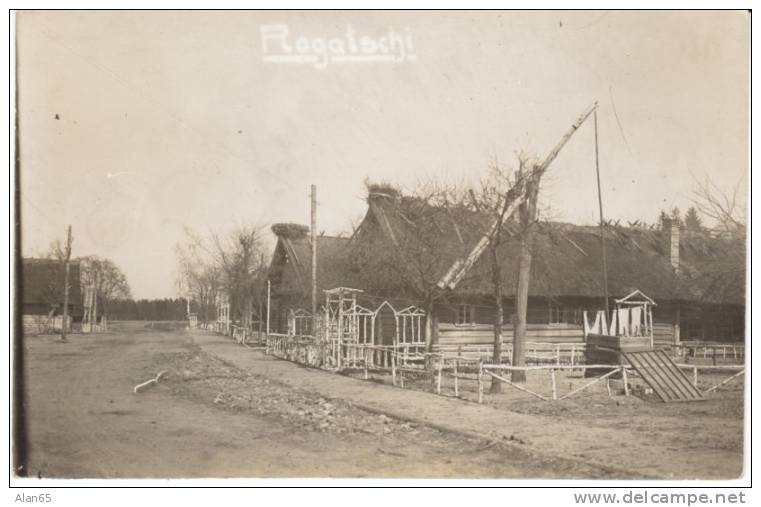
715,353
462,363
477,371
536,353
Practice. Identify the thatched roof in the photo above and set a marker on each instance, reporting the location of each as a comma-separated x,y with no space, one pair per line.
298,250
42,282
567,261
567,258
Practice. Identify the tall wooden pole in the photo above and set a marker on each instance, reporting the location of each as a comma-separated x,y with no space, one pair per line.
66,284
528,215
95,300
268,307
602,220
314,256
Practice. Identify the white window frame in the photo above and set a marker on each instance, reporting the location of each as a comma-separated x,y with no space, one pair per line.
467,310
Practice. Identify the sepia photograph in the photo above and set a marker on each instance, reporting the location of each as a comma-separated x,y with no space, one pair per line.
380,244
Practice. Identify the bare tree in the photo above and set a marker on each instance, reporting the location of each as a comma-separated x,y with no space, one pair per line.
724,276
108,281
58,290
493,198
724,209
232,263
241,263
198,277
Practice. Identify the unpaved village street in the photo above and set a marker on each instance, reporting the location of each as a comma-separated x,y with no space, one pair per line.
226,411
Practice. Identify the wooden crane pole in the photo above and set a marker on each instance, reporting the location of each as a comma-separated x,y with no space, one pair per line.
528,215
563,140
457,271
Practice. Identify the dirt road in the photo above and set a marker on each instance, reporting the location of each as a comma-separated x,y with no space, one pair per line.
207,418
224,411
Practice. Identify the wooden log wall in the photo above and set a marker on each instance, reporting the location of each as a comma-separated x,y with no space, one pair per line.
483,334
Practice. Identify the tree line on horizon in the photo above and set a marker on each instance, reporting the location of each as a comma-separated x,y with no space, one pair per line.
160,309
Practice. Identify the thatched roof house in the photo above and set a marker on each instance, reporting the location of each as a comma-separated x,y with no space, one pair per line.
290,271
405,246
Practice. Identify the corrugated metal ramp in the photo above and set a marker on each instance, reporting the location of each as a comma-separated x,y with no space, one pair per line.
663,376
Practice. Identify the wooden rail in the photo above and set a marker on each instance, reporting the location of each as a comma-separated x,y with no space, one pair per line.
411,359
712,351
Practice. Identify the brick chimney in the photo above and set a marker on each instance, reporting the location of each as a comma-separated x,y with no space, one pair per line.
674,241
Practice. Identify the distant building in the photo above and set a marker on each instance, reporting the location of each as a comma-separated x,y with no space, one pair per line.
42,294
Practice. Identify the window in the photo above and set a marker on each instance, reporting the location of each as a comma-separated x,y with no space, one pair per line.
465,314
565,315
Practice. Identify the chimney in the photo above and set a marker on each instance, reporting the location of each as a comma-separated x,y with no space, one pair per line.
674,237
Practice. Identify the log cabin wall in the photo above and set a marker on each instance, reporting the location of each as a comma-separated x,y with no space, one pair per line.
558,320
483,334
470,321
549,321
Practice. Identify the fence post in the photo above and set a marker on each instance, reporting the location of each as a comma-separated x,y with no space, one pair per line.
554,386
626,380
480,381
393,371
438,377
695,376
456,387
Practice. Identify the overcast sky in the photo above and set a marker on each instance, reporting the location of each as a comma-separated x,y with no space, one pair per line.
136,124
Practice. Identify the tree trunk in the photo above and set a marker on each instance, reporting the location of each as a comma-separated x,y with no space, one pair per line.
433,322
496,385
527,218
433,342
521,305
